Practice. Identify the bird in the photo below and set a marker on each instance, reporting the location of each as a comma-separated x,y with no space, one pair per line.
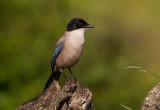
69,49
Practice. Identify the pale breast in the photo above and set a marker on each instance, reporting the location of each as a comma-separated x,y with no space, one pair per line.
74,48
71,52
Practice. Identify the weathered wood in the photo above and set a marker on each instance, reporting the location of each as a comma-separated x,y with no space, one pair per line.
70,97
152,101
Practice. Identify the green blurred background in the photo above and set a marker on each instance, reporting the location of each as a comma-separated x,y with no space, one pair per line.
127,33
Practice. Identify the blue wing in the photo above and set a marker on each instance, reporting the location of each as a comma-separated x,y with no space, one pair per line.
56,53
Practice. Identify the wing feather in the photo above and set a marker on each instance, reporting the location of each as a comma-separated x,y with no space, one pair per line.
56,53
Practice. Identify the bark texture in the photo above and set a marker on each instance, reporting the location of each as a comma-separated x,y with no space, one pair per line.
70,97
152,101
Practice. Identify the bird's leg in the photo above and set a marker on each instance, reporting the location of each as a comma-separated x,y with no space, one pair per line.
64,75
70,71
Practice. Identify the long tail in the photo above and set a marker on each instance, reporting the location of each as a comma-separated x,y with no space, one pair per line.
55,75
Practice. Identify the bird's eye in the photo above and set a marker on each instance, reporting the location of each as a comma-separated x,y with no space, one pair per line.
81,24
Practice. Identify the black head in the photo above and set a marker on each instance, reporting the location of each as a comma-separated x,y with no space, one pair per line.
77,23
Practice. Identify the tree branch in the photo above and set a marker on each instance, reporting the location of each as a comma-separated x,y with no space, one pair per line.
70,96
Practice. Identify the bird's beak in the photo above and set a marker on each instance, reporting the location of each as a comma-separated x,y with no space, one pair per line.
89,26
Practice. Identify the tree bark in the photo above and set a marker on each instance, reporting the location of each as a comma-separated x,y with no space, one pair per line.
70,97
152,101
